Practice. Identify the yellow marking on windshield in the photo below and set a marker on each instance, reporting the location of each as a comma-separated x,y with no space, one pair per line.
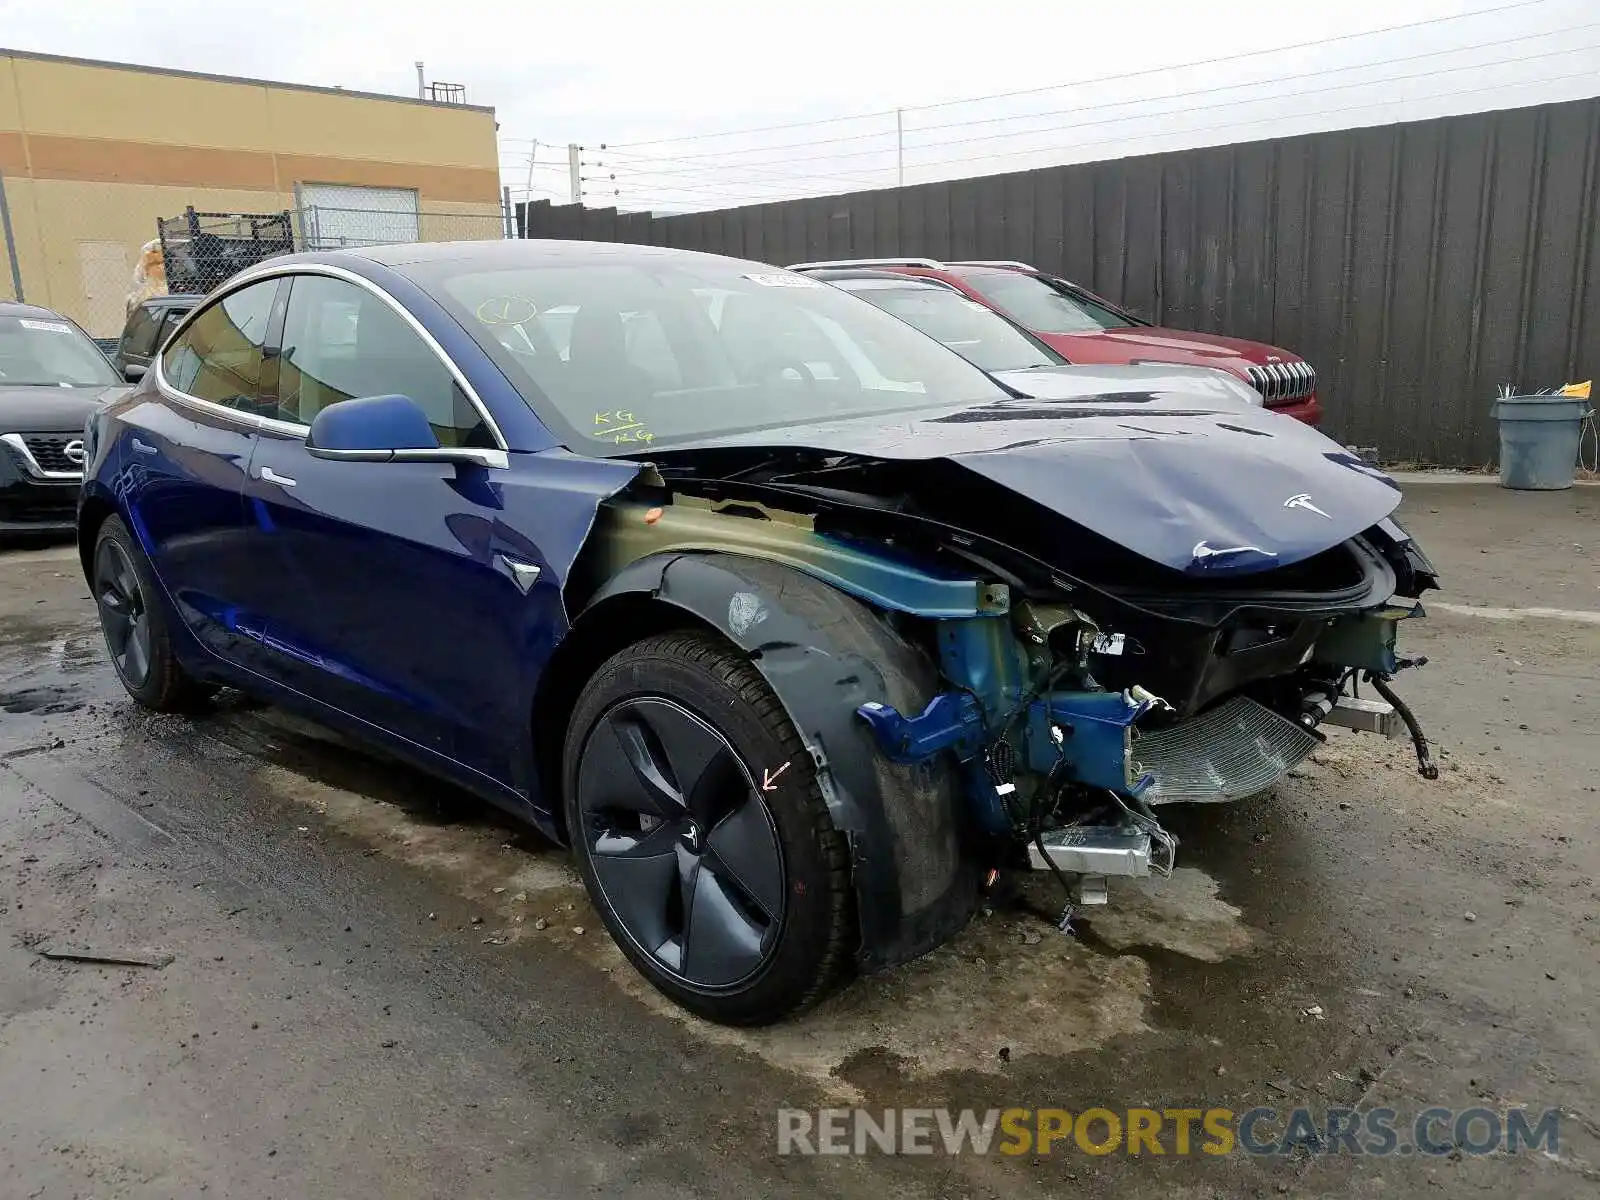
620,425
506,310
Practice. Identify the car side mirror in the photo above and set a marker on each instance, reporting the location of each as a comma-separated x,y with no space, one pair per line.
133,372
386,429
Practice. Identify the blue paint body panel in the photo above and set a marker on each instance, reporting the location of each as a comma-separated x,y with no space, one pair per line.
1203,489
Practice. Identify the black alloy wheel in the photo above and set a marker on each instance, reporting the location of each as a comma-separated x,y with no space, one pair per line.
684,850
134,621
702,834
124,613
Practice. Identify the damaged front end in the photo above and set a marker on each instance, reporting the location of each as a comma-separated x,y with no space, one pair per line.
1070,705
1065,755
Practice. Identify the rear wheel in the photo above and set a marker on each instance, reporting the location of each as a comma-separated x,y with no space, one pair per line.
135,624
701,833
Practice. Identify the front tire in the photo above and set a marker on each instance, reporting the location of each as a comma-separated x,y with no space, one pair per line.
701,832
134,622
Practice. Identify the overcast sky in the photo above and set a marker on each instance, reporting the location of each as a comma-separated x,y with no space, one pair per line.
654,81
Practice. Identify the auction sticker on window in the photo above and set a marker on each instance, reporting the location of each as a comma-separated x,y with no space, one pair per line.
44,326
1108,643
781,279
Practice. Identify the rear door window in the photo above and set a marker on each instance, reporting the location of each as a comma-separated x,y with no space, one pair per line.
219,357
170,320
139,338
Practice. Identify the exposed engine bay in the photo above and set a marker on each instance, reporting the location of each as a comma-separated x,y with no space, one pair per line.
1083,684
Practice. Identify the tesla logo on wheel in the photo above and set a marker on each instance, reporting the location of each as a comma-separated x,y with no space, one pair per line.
1303,500
74,452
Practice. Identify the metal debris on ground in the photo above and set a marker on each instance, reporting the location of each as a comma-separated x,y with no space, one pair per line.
109,958
1064,922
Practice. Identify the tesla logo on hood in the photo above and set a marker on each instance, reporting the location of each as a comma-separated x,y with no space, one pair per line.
1303,500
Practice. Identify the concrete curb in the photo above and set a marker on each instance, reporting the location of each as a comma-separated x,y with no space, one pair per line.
1415,478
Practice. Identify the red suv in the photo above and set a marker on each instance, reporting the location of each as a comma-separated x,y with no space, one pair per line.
1088,329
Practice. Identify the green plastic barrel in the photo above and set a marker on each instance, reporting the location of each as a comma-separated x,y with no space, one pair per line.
1539,440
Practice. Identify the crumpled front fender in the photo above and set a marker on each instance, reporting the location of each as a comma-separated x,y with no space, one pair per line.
825,654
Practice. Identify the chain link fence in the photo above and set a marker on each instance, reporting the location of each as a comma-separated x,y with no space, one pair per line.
83,252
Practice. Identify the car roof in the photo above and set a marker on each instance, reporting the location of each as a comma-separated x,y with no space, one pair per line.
508,252
175,300
13,308
893,278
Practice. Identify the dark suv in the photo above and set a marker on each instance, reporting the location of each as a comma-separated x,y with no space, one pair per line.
146,332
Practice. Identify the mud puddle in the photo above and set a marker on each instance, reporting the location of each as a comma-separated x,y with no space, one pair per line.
49,666
1011,988
928,1018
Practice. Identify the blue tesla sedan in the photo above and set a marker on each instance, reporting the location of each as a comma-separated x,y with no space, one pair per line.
792,622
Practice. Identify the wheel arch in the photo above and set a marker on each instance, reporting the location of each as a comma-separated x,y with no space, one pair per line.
823,653
605,627
94,507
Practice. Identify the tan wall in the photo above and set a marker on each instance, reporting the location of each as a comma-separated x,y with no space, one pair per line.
77,242
93,154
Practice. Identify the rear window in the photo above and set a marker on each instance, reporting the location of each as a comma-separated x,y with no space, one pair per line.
1046,306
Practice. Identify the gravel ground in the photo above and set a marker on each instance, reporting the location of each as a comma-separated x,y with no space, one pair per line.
378,986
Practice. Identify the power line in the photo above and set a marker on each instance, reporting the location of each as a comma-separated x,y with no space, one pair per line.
635,163
1206,91
666,185
1263,120
1231,125
1240,57
989,137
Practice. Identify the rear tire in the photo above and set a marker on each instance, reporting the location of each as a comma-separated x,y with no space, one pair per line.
733,900
134,620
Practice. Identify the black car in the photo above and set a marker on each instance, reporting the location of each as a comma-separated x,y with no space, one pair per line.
51,378
146,332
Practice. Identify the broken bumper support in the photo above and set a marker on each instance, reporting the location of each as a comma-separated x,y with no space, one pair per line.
1084,737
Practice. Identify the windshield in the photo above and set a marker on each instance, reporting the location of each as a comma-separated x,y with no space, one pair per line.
49,352
671,350
1046,306
978,334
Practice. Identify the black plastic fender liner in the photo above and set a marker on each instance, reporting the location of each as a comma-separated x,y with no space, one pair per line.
824,654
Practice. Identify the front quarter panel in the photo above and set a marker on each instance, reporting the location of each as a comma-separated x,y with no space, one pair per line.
825,655
102,463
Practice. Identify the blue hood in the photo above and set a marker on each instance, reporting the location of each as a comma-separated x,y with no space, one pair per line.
1171,463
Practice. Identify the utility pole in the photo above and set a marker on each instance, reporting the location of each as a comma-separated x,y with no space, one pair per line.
900,146
422,88
574,173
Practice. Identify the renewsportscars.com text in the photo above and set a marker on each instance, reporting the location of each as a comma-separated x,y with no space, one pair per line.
1169,1131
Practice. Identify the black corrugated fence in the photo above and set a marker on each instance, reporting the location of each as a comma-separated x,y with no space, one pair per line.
1416,266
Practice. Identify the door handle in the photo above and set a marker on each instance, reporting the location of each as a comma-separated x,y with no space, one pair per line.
141,447
268,475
